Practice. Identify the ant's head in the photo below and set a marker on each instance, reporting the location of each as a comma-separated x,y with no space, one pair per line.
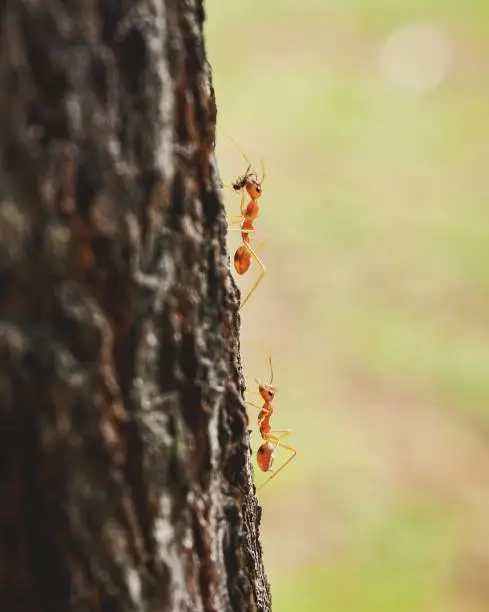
254,188
267,391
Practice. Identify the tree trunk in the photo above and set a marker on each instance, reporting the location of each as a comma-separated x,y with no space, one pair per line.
125,475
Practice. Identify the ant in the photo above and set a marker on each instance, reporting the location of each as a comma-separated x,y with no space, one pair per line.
265,455
242,258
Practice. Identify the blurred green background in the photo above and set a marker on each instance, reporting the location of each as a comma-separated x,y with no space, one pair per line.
373,122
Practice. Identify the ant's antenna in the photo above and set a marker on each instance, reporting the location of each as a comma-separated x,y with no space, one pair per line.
271,369
240,150
262,171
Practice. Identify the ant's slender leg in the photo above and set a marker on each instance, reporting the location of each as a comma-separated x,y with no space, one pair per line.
285,433
253,404
258,280
243,231
259,245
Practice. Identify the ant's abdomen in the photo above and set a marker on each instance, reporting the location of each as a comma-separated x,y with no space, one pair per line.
242,259
264,456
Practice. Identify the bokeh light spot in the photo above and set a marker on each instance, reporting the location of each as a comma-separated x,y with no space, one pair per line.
416,57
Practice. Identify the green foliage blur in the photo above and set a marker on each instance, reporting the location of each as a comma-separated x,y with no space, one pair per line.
372,119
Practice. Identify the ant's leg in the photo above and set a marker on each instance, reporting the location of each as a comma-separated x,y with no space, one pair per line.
280,445
258,280
258,245
285,434
254,392
241,204
253,404
243,231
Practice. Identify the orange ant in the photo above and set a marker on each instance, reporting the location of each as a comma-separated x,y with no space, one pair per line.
265,455
242,258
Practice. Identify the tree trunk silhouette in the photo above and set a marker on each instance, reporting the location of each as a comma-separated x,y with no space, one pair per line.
125,474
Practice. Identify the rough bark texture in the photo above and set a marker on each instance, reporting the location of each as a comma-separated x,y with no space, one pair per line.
125,479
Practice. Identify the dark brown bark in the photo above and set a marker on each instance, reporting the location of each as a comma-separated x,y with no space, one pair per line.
125,478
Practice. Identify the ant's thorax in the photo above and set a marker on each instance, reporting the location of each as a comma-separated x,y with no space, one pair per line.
252,210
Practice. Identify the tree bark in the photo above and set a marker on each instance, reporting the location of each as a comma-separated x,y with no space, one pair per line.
125,474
